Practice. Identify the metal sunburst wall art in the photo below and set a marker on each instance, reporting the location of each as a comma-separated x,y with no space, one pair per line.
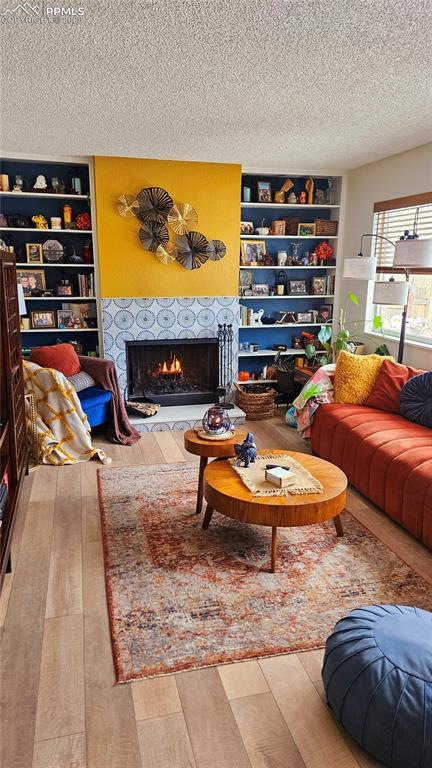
182,218
154,204
159,215
153,234
216,250
166,254
127,206
192,250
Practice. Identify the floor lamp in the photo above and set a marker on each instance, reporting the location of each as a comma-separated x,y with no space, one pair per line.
410,253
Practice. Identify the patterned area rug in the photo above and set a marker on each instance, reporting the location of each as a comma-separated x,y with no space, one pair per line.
183,598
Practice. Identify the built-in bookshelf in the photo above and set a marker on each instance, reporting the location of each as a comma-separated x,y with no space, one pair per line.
298,294
61,288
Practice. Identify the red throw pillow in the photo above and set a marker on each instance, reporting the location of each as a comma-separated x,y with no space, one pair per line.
387,388
61,357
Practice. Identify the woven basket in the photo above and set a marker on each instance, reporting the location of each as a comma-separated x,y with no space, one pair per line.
326,227
256,405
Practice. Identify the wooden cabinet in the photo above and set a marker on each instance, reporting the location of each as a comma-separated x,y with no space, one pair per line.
13,440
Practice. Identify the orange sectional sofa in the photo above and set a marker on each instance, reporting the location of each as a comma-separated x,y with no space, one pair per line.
384,456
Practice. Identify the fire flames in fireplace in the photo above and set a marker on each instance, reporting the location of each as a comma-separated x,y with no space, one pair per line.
173,366
173,371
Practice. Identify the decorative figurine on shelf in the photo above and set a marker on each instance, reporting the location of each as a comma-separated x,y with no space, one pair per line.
262,229
320,198
329,194
257,317
216,421
73,257
246,451
292,198
18,186
302,198
40,221
309,184
61,187
40,182
279,197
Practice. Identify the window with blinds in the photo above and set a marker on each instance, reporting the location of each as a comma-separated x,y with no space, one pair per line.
391,222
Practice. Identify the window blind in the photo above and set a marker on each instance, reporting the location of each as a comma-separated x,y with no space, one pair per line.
392,223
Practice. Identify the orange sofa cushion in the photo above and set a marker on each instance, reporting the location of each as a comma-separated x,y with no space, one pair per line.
61,357
387,388
386,457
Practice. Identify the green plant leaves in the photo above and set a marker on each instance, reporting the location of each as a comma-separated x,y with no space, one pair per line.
324,334
377,323
310,351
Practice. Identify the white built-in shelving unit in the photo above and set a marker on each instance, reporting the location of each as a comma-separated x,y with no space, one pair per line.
30,202
265,335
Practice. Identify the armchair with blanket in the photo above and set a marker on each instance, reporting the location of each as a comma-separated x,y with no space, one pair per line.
96,384
103,403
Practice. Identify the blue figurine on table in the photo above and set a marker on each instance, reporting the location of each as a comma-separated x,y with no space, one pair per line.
246,451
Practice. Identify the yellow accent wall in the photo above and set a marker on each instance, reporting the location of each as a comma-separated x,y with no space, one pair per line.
126,269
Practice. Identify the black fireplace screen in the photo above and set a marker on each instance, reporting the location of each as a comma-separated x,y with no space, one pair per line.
173,372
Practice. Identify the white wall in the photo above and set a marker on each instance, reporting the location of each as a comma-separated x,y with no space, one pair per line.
406,174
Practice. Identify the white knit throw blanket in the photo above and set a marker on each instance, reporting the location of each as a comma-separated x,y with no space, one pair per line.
254,477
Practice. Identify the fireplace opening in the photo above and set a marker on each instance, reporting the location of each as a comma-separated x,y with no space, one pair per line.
173,372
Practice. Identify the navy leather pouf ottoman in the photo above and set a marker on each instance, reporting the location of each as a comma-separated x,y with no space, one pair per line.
377,674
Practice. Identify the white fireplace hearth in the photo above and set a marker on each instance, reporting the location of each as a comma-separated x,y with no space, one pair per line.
181,417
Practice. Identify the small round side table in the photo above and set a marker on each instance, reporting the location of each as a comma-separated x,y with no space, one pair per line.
209,449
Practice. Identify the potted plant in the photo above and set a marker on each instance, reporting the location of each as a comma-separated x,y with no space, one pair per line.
345,338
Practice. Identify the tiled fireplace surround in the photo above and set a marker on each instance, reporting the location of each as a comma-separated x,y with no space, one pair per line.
166,318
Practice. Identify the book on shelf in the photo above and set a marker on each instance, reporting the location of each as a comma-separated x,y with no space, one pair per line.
330,284
246,315
86,285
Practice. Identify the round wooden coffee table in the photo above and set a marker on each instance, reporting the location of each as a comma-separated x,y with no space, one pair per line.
209,449
225,492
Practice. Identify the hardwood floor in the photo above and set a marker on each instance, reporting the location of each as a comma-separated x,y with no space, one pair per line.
60,707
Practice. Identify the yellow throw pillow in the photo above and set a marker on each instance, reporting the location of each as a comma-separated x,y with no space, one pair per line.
355,376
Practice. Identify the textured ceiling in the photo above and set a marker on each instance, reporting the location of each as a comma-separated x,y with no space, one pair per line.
317,84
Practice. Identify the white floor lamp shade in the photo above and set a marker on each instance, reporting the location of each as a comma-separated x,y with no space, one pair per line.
413,254
359,268
391,292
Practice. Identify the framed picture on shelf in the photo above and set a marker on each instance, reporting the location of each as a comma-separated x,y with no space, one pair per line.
325,313
319,286
31,279
304,317
64,318
43,319
306,230
34,253
64,290
260,289
264,192
247,227
297,287
252,252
